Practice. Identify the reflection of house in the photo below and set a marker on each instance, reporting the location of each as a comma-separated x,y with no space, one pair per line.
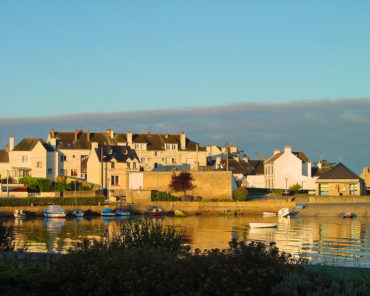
340,180
365,175
109,165
286,168
33,157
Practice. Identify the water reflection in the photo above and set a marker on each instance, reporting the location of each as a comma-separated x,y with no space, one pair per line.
340,241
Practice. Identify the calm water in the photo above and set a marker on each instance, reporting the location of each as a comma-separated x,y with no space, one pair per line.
335,240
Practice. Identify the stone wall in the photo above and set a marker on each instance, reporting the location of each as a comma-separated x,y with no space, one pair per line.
339,199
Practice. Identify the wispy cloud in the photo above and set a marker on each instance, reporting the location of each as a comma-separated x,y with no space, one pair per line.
329,127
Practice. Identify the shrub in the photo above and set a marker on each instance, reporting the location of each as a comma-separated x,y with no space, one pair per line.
295,188
36,184
240,194
163,196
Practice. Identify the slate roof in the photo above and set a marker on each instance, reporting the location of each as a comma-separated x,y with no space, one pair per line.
4,156
316,172
340,171
119,153
258,166
252,167
27,144
66,140
300,155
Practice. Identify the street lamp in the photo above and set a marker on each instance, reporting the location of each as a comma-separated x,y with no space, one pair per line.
286,183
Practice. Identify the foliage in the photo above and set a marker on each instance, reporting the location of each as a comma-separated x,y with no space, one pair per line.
181,182
43,201
240,194
61,185
295,188
163,196
325,281
36,184
7,240
26,280
325,163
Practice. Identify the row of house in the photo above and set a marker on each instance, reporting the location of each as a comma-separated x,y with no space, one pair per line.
106,159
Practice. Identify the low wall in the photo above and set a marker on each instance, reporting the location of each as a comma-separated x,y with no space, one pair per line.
339,199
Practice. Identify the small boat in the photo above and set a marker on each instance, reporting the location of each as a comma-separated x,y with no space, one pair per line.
284,212
263,225
19,214
348,215
122,212
155,212
54,211
227,212
78,213
179,213
300,206
269,214
107,212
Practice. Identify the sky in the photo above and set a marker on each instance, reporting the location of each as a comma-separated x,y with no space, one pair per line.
78,60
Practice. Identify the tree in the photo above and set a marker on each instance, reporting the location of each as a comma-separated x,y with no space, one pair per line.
295,188
325,163
240,194
181,182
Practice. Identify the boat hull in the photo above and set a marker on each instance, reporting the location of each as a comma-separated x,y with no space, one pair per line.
269,214
263,225
54,215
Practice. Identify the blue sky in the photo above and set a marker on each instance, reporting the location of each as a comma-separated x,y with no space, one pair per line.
71,57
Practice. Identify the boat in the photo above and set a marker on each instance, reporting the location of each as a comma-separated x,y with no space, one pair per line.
284,212
122,212
54,211
263,225
19,214
227,212
78,213
107,212
269,214
300,206
348,215
155,212
179,213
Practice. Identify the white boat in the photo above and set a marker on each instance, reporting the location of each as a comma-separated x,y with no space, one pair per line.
122,212
107,212
78,213
284,212
263,225
54,211
19,214
269,214
155,212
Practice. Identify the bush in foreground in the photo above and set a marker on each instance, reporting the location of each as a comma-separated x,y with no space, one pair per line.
240,194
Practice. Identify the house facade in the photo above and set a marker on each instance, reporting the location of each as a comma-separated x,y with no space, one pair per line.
365,175
286,168
339,181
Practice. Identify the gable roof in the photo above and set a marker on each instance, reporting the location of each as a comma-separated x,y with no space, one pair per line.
299,154
27,144
66,140
4,156
258,166
340,171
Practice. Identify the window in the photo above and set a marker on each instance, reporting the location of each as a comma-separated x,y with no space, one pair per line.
112,165
173,161
352,189
128,165
114,180
171,146
134,165
50,171
155,153
63,158
142,160
73,172
39,164
324,189
62,172
155,165
24,158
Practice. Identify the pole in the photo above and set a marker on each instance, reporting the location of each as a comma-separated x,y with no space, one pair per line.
101,172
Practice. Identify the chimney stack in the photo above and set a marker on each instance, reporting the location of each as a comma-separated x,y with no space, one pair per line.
276,151
183,141
53,142
11,143
76,134
52,133
88,135
288,149
129,138
110,133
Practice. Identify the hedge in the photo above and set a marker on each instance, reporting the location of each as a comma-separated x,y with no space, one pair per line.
163,196
43,201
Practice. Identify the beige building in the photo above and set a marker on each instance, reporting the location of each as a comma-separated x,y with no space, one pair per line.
4,164
365,175
338,181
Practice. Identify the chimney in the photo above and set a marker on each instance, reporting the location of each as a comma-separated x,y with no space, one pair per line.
76,134
183,141
88,135
256,155
52,133
288,149
129,138
53,142
11,143
276,151
110,133
319,164
7,148
94,145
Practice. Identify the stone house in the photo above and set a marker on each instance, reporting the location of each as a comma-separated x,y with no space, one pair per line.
338,181
365,175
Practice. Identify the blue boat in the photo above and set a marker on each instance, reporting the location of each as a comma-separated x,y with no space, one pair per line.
107,212
122,212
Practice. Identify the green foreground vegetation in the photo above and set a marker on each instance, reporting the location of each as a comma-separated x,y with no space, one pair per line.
145,258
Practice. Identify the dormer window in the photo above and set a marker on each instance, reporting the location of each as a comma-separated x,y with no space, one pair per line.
140,146
113,165
171,146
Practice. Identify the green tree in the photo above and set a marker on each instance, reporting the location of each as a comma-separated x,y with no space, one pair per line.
324,163
295,188
181,182
240,194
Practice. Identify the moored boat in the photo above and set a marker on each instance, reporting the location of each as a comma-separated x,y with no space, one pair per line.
179,213
107,212
19,214
78,213
122,212
263,225
155,212
284,212
348,215
227,212
269,214
54,211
